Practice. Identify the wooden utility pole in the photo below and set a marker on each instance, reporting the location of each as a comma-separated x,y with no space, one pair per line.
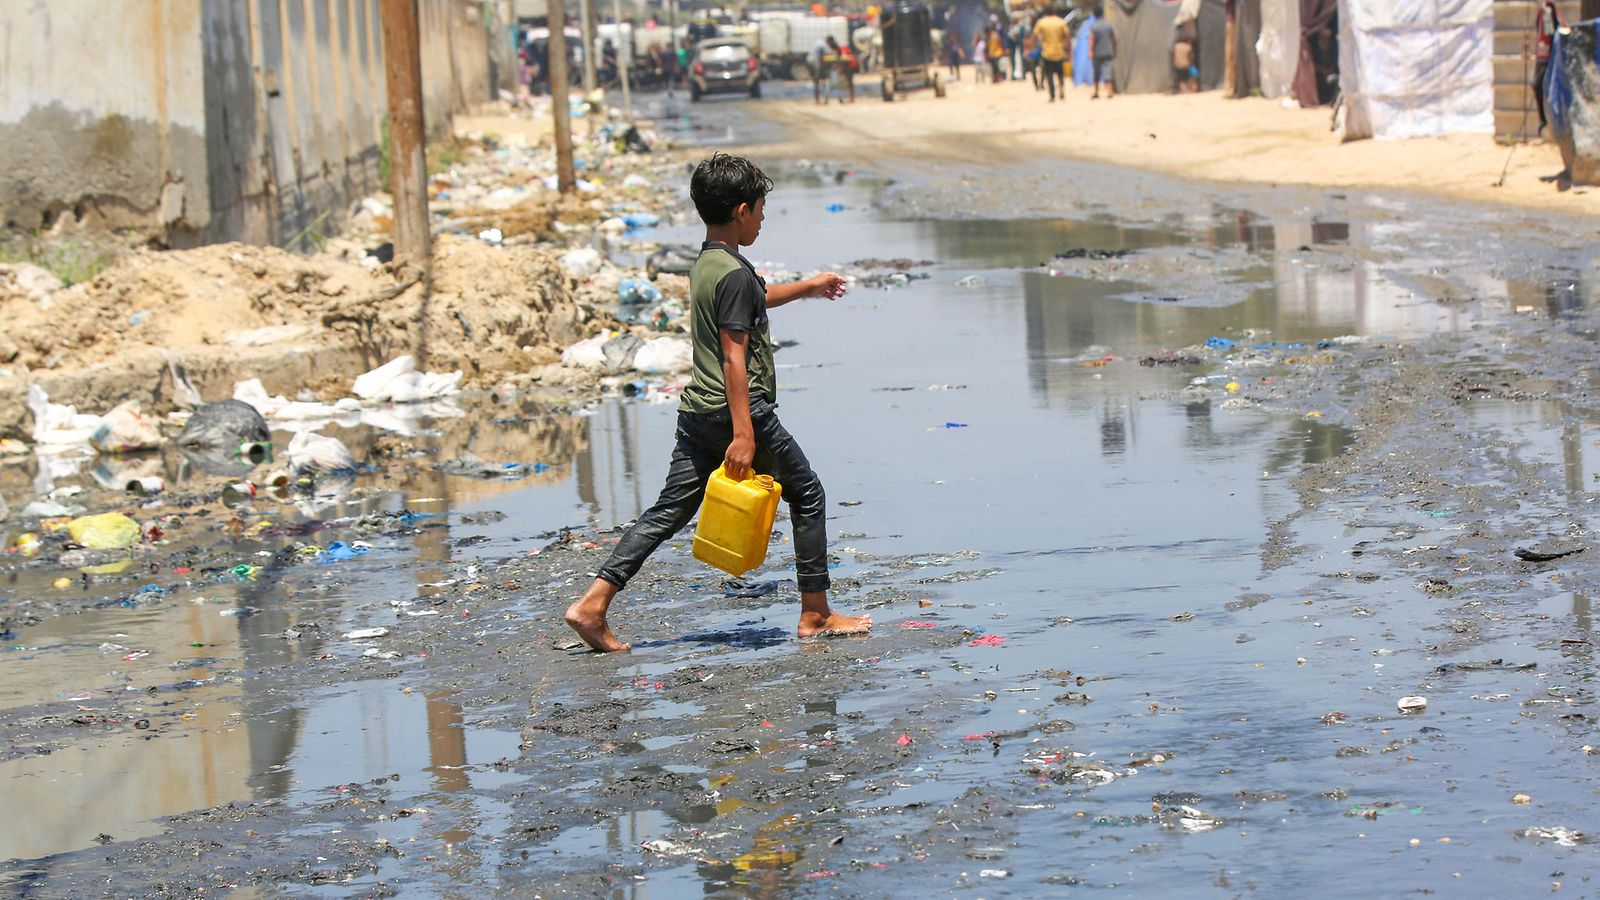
566,179
402,66
624,55
586,27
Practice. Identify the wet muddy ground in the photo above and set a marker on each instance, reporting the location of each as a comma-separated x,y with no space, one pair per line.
1156,542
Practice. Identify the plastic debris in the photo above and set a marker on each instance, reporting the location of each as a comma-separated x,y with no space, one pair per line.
59,425
339,551
227,423
365,634
1537,556
105,531
664,356
124,428
638,290
587,353
311,453
1412,704
398,381
582,262
470,465
988,640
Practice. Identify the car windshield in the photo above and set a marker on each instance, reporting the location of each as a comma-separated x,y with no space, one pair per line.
724,52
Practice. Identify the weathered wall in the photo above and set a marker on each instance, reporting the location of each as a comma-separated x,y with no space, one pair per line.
207,120
102,114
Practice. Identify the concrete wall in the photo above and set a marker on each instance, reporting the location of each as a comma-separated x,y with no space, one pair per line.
208,120
102,114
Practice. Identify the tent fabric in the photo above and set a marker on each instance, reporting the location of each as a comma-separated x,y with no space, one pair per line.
1572,95
1246,34
1416,68
1315,15
1082,65
1213,22
1144,28
1278,48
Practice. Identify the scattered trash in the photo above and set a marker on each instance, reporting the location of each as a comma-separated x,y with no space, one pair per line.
148,484
398,381
226,423
582,262
1560,835
587,353
491,236
470,465
58,425
1521,799
738,587
237,493
339,551
664,356
617,354
1412,704
364,634
988,640
1537,556
1217,343
834,207
1085,253
124,429
105,531
311,453
638,290
971,281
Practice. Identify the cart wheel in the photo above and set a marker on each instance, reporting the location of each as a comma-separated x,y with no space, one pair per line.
888,87
938,86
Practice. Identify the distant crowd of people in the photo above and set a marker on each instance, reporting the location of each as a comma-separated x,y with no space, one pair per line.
1034,47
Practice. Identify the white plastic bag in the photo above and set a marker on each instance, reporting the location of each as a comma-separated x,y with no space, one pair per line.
125,428
664,356
311,453
398,381
58,425
582,262
588,353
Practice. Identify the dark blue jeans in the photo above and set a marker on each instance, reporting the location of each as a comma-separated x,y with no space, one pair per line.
702,442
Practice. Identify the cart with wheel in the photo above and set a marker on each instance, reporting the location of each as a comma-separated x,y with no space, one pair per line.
908,51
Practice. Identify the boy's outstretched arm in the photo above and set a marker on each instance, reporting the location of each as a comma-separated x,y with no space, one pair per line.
827,284
742,451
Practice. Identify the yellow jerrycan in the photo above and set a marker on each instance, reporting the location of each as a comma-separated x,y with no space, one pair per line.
736,521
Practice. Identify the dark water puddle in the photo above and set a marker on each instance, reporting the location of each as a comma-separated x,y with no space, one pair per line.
1087,539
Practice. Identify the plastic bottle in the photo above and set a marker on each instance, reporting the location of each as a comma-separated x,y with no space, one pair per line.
235,494
736,521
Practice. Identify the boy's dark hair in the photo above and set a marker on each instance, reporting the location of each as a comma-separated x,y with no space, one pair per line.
722,182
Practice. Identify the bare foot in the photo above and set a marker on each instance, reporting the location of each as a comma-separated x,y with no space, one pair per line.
593,629
814,624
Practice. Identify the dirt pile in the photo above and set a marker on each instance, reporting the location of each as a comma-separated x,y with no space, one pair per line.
232,311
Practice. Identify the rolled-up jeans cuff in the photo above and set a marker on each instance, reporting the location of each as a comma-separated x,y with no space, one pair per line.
810,584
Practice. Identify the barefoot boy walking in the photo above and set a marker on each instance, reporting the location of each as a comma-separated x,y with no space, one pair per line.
728,414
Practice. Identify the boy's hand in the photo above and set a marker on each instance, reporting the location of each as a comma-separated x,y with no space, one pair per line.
827,284
736,462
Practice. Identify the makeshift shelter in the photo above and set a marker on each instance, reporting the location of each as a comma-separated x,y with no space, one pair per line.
1278,46
1572,97
1414,68
1246,33
1144,29
1213,28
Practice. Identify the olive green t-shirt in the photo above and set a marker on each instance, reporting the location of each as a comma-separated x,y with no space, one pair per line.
726,292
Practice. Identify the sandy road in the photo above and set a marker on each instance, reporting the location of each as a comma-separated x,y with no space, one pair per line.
1198,136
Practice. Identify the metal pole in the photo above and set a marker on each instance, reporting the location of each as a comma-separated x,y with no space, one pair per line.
566,179
586,26
402,56
624,54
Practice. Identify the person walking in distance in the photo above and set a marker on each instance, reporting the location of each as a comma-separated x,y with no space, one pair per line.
1102,49
728,412
1053,36
1544,30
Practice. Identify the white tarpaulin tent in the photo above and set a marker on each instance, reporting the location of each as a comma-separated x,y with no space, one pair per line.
1278,48
1415,68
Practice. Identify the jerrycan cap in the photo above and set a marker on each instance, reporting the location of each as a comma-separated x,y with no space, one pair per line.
763,482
